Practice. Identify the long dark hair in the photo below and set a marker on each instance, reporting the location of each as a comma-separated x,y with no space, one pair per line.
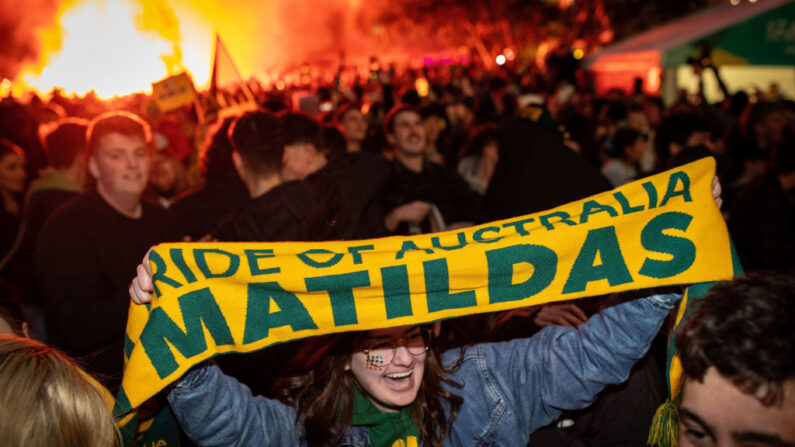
323,397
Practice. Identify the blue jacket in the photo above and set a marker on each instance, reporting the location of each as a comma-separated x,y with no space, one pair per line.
510,389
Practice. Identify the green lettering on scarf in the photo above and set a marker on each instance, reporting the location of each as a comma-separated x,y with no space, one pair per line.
593,207
200,256
462,242
437,288
253,257
159,273
340,291
477,236
333,260
409,245
198,309
601,242
672,192
397,295
354,251
518,226
501,263
626,207
562,216
683,250
260,319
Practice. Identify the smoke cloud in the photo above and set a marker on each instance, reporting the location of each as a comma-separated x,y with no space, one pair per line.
21,22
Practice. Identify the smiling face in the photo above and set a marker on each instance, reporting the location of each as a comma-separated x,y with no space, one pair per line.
714,412
12,173
408,134
120,163
395,385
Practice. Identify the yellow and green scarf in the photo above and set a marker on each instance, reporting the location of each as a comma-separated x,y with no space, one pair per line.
215,298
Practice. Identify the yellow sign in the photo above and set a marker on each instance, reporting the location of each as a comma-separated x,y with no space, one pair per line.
219,297
173,92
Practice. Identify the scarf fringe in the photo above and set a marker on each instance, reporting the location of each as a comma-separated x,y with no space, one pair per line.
665,426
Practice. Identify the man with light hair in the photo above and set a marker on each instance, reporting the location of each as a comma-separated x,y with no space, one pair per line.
87,248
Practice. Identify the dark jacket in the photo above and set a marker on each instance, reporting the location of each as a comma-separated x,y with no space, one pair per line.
339,202
83,261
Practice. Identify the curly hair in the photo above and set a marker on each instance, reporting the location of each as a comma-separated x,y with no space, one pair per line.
323,398
744,329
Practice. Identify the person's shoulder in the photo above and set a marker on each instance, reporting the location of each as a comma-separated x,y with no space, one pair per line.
160,220
154,208
70,223
75,209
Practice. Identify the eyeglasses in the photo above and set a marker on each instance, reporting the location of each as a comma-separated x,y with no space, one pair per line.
382,354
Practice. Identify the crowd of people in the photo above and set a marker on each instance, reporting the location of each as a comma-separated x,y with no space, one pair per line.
88,187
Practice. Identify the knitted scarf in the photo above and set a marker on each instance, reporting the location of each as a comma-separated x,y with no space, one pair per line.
213,298
383,429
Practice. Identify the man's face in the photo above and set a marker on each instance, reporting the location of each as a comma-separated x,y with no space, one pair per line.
395,385
354,125
716,413
120,163
408,135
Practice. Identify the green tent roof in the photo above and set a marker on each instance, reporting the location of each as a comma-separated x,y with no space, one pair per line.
760,33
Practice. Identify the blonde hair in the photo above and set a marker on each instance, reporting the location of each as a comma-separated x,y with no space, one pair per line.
46,399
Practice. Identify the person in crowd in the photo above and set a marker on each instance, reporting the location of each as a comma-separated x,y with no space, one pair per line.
437,149
417,395
738,365
200,210
351,120
480,160
304,152
12,186
86,248
64,144
534,158
638,120
333,141
535,163
46,399
167,179
625,154
340,200
337,199
762,217
677,132
18,124
417,187
763,127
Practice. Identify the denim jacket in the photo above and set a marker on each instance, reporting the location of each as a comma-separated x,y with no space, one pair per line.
509,389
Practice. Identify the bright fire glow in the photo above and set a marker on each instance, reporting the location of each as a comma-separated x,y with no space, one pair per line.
117,47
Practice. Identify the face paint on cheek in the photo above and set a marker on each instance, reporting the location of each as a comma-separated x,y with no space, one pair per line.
374,362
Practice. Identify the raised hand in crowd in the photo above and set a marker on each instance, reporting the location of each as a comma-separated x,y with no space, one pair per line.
141,287
412,212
